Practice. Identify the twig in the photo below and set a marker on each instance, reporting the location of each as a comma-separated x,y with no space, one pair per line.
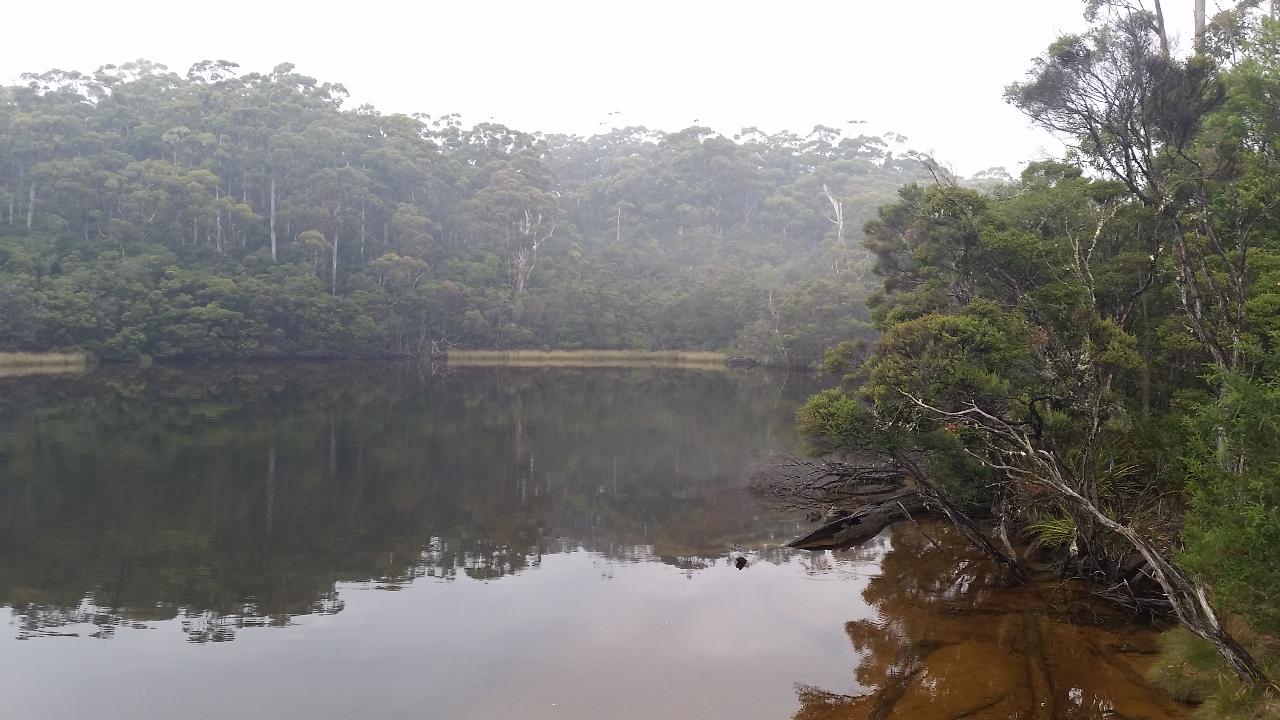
913,522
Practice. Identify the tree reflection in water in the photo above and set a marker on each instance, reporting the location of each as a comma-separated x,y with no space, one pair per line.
238,498
235,497
952,641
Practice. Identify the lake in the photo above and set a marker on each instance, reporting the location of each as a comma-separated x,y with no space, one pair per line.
383,540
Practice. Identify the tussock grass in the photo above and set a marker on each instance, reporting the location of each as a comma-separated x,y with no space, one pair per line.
1054,531
584,358
1189,669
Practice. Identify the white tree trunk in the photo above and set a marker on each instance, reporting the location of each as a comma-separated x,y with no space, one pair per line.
273,217
837,214
334,269
31,205
1200,25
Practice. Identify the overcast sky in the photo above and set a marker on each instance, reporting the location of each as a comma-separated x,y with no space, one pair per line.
932,70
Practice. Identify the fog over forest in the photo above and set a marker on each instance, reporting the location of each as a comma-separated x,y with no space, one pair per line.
224,213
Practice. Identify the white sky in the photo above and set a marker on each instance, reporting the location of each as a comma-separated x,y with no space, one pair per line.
933,70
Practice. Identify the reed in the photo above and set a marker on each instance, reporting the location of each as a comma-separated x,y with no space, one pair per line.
44,360
585,358
14,364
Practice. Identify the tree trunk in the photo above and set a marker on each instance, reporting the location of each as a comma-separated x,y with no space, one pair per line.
1189,598
1146,357
31,205
1200,26
836,217
1161,31
273,217
334,269
862,524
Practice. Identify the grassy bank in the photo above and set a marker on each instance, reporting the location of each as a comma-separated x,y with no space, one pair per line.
585,358
1189,669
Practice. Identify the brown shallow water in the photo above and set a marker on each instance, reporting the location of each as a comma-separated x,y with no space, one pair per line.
951,640
374,541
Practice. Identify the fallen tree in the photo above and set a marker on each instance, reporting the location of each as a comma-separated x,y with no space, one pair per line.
862,524
865,496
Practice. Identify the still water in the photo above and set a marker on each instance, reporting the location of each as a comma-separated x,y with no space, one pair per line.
287,541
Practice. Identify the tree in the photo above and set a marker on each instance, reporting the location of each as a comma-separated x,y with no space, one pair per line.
1017,327
515,209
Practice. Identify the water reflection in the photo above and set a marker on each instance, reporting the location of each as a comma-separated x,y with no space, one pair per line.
951,640
240,497
557,544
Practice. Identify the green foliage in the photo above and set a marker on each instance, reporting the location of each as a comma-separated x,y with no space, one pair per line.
833,420
843,358
975,357
1054,532
1043,341
220,214
1232,462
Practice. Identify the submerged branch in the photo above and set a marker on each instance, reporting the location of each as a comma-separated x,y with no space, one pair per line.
862,524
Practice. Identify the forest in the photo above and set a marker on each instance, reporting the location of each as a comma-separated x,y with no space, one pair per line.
220,214
1090,357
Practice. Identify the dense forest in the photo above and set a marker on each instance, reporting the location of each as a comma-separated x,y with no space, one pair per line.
1091,356
219,214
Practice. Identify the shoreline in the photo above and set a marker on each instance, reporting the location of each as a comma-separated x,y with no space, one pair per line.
586,358
31,363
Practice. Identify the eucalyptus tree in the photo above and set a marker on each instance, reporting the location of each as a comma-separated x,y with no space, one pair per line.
516,212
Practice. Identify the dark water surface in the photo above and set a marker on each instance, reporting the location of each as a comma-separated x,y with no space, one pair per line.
317,542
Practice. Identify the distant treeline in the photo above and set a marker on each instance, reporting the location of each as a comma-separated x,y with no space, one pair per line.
219,214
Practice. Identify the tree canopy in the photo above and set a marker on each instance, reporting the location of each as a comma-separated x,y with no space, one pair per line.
229,214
